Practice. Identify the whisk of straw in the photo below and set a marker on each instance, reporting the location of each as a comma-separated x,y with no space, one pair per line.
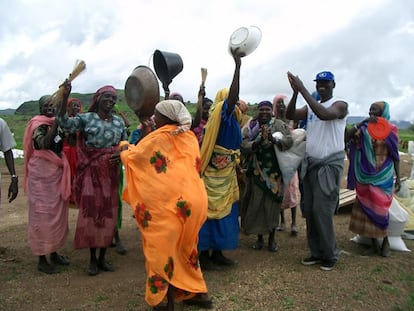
79,67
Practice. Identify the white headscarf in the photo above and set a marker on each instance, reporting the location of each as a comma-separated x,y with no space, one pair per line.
175,111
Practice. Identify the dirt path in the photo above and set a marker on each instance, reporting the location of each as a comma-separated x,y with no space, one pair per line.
261,281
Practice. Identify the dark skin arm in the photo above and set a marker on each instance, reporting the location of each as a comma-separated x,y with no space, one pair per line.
397,185
50,135
62,111
338,110
295,114
67,89
199,111
235,84
13,187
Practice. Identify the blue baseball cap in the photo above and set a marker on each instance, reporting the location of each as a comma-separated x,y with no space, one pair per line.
325,75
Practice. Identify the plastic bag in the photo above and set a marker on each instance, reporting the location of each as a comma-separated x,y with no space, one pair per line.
290,159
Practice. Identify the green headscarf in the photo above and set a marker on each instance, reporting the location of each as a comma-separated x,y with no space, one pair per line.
43,100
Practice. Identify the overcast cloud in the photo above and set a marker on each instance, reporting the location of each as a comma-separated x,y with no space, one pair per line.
368,45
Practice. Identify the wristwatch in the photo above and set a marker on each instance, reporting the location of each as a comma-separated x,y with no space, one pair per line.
14,176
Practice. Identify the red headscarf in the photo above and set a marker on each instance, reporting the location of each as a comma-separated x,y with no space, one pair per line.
104,89
77,100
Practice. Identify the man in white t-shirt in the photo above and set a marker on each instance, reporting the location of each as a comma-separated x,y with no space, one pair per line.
7,143
323,164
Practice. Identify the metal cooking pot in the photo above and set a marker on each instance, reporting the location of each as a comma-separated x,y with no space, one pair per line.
142,92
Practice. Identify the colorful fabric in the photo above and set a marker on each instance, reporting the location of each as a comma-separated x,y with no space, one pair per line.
69,145
213,126
265,103
199,131
219,175
261,202
176,96
73,100
291,194
276,99
222,138
96,195
169,200
220,180
47,185
72,156
175,111
373,181
120,191
98,93
362,225
97,132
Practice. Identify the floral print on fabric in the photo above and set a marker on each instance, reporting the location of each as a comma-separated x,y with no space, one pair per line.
184,210
159,162
157,283
193,259
142,215
220,161
169,267
266,173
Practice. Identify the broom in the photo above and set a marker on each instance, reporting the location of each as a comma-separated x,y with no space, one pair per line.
203,81
79,67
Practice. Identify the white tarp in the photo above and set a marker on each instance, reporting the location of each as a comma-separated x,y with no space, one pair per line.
17,153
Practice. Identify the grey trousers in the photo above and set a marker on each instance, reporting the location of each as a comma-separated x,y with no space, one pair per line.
319,210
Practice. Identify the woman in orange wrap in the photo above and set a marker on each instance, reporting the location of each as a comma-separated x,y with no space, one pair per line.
169,201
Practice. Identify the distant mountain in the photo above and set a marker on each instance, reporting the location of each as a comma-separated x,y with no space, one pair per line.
403,125
31,107
8,111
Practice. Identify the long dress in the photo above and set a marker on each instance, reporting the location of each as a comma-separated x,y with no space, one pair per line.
373,181
47,185
96,182
263,196
169,200
220,153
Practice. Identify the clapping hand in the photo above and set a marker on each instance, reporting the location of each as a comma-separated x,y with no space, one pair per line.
295,83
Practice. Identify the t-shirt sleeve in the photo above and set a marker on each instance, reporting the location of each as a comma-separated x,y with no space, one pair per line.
7,140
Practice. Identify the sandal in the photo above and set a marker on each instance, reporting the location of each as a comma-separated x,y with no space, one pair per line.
272,247
59,259
120,249
93,269
294,231
105,266
258,245
47,268
281,227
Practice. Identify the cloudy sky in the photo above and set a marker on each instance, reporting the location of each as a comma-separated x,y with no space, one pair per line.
368,45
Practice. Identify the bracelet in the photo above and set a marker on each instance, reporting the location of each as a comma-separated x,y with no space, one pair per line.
14,176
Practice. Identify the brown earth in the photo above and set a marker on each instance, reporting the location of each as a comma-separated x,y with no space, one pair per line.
261,281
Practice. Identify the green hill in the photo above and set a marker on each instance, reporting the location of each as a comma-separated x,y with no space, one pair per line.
32,107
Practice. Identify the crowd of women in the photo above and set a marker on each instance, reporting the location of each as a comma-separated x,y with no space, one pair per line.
189,182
